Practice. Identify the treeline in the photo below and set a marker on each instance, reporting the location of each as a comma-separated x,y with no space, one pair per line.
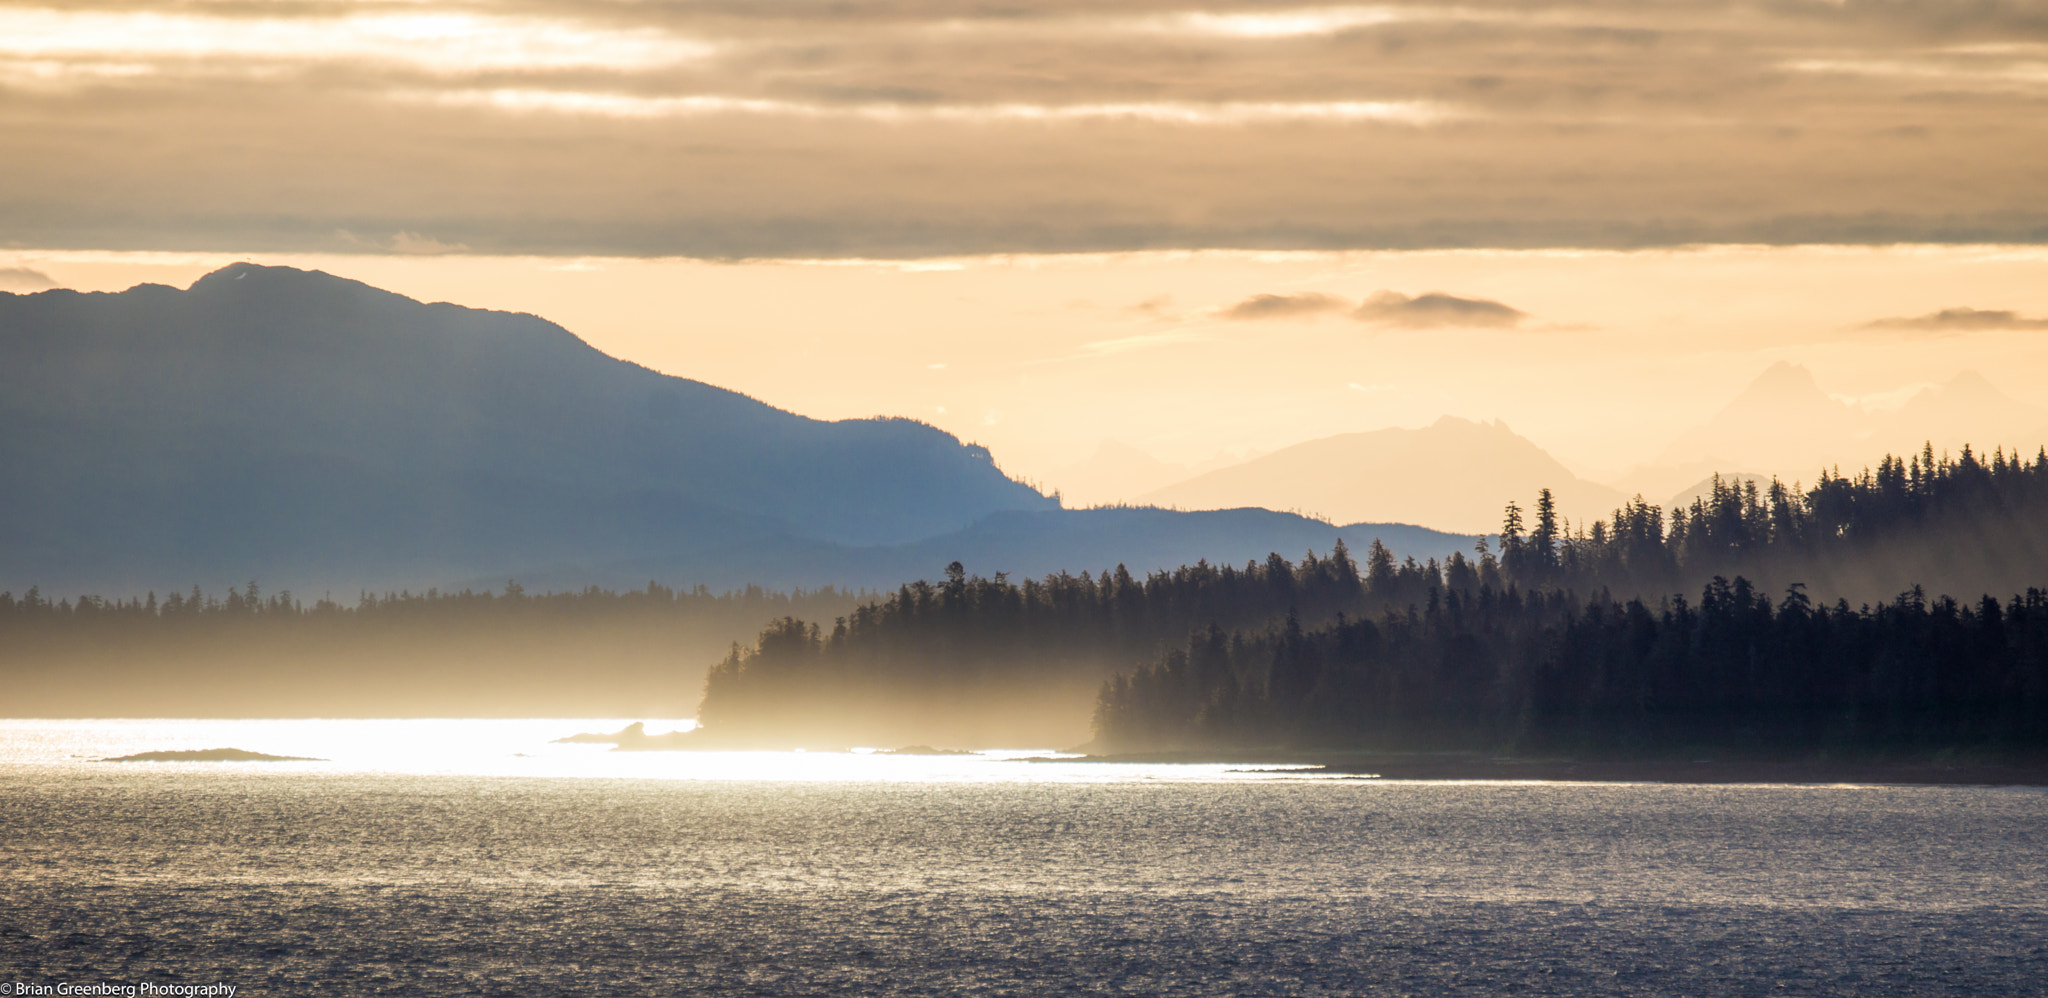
980,660
465,653
34,609
954,657
1504,655
1961,524
1522,671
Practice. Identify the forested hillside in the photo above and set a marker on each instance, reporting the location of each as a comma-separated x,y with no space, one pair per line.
996,662
1543,672
1568,641
1946,524
1565,634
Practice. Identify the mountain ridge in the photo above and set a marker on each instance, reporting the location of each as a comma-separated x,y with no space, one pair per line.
275,421
1472,469
1751,430
317,433
1024,544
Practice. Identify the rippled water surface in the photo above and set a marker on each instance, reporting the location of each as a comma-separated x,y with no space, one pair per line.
439,858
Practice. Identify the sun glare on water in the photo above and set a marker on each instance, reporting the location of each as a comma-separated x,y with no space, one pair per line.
527,747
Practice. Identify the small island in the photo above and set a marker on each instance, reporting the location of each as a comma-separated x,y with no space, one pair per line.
208,755
634,738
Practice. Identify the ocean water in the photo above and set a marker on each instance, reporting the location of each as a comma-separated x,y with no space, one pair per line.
474,858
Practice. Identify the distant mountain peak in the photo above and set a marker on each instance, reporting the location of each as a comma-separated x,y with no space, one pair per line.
1115,472
242,269
1454,473
1784,424
1450,423
1973,383
1783,380
1966,388
245,276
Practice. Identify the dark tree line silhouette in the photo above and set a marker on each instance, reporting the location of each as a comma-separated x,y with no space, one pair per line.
33,610
1559,634
1961,523
1513,671
1504,655
916,664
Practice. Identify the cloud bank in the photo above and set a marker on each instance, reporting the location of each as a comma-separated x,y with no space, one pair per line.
1392,309
1285,306
1960,320
890,128
1434,309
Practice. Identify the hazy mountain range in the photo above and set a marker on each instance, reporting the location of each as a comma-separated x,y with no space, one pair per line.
312,431
1452,474
1456,474
1784,424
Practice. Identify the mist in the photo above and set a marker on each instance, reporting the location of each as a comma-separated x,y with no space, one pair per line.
594,653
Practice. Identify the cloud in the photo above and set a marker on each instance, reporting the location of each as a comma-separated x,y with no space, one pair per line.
24,279
907,129
414,244
1434,309
1146,341
1278,24
1285,306
1951,321
1221,114
449,41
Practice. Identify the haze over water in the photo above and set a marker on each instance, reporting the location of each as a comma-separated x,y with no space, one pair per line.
429,857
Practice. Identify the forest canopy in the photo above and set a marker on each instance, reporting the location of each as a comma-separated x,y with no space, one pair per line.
1487,651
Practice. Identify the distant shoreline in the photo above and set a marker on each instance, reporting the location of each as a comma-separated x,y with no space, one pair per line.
208,755
1452,766
1923,771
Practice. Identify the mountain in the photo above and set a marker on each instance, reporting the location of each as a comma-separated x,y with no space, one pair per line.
1966,409
298,427
1116,472
1454,474
1022,544
316,433
1780,422
1784,424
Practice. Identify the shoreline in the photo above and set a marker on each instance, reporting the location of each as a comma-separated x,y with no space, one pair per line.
1965,770
1455,766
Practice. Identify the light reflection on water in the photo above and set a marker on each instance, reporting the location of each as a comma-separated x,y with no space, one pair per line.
526,748
477,858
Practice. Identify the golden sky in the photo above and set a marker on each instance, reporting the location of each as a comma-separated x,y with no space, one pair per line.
1046,224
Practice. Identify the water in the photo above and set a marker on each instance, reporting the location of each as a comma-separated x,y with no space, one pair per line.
471,857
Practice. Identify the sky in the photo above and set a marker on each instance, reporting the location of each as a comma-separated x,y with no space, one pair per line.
1204,230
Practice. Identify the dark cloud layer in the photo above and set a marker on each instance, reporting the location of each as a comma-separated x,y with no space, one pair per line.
922,127
1960,320
1433,309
